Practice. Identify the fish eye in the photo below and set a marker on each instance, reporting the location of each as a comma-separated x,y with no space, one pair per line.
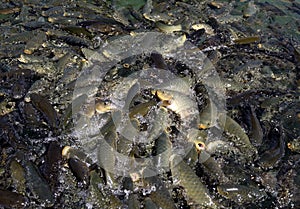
126,65
199,146
168,130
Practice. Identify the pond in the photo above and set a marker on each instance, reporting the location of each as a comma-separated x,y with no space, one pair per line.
150,104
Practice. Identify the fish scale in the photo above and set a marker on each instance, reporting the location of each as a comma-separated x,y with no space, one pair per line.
195,190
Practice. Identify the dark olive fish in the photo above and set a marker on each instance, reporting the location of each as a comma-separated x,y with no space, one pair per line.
58,10
215,170
256,129
161,196
208,116
241,194
107,157
163,149
168,28
35,42
70,152
38,185
92,7
276,150
247,40
11,51
80,170
178,102
196,192
103,25
9,11
159,61
250,10
45,107
141,109
22,37
79,31
97,196
10,199
159,125
18,176
162,199
76,41
52,163
215,5
100,197
59,19
74,107
10,135
242,140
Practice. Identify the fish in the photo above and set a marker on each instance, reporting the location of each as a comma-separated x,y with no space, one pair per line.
35,42
159,61
80,170
179,103
100,197
196,192
103,106
79,31
141,109
180,85
276,149
9,11
163,151
160,196
37,184
10,199
18,176
208,116
247,40
57,10
241,139
42,104
215,170
106,155
59,19
256,129
105,26
241,193
53,159
97,195
250,10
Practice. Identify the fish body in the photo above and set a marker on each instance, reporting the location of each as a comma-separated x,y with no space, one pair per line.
240,193
241,139
196,192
